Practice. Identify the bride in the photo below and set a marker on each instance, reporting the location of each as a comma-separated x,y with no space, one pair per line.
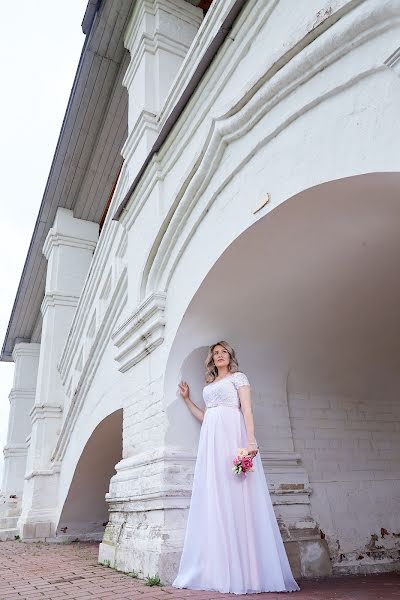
232,542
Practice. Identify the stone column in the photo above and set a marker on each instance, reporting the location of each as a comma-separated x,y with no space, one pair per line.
22,395
69,248
158,37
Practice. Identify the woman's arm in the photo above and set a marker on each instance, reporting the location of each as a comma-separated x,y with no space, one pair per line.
245,403
194,409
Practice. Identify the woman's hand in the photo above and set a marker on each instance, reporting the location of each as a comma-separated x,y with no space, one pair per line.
194,409
252,449
184,390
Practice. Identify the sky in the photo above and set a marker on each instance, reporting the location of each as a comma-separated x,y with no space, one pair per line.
40,45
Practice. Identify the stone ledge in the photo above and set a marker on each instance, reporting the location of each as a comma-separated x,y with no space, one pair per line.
141,333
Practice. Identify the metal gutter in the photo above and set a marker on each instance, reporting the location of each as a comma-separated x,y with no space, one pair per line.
188,92
89,16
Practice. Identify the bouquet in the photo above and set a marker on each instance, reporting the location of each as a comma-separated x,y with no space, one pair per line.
243,462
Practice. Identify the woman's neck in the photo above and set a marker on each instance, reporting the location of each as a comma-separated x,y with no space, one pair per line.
222,372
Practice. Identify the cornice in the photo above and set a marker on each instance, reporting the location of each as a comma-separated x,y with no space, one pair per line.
45,411
151,44
25,349
15,450
53,299
21,394
187,12
55,239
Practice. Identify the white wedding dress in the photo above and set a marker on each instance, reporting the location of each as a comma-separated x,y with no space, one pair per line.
232,543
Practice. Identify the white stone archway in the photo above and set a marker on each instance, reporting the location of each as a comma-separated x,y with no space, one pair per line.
85,513
309,297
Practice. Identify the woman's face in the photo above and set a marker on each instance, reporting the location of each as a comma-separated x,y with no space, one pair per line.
221,357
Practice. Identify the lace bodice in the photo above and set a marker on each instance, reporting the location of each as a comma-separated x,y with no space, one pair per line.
224,392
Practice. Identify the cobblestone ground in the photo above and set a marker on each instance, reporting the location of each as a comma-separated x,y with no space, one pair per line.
61,572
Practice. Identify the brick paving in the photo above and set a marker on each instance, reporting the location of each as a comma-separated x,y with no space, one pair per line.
71,572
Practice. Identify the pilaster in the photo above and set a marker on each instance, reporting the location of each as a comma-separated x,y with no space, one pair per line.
22,395
68,248
158,37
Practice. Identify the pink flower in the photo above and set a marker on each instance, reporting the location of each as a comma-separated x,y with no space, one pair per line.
247,463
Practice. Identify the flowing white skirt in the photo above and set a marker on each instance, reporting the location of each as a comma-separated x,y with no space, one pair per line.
232,543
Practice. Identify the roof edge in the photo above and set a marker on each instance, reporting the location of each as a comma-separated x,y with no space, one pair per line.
87,24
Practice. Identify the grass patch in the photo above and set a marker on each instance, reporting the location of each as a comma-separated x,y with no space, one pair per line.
152,581
106,563
134,574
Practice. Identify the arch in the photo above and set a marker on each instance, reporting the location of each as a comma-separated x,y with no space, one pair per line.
85,513
309,297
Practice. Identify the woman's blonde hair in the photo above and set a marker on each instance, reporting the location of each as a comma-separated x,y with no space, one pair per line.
211,369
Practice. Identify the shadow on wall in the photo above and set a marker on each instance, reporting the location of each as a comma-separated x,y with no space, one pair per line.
85,513
185,428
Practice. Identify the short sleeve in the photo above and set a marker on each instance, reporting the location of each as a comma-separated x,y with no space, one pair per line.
240,379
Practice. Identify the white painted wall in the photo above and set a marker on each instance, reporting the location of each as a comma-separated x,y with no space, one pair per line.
350,445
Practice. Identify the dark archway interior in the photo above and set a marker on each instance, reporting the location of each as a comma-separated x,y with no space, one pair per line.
85,511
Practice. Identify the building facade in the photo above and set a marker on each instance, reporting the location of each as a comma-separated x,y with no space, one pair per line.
225,170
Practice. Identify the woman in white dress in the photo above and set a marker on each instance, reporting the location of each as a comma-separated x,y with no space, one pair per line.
232,542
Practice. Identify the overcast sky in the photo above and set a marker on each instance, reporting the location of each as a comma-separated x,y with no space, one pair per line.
40,45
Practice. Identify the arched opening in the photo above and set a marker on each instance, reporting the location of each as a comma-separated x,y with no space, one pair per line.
85,512
309,298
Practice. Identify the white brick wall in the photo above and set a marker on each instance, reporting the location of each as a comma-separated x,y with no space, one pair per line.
351,449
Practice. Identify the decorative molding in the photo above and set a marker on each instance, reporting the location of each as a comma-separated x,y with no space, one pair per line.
393,62
183,11
45,411
25,349
216,15
151,44
225,64
15,450
146,122
42,473
151,457
55,239
52,299
21,394
177,495
141,333
276,84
